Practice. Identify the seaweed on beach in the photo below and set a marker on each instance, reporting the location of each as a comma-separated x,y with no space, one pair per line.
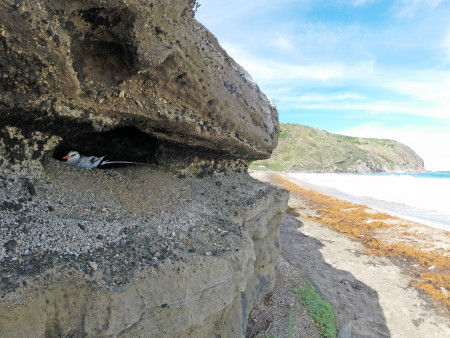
430,269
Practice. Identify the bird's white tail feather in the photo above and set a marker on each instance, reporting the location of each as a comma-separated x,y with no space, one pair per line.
124,162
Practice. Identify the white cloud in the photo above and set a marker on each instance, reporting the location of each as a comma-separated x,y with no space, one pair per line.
283,43
415,7
413,92
319,97
272,71
369,109
278,72
428,90
430,143
321,36
419,93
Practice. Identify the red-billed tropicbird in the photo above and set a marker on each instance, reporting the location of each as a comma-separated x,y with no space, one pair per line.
89,162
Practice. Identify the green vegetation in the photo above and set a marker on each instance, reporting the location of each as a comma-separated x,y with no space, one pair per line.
319,309
196,6
302,148
291,323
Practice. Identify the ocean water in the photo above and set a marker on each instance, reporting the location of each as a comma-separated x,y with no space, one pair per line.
420,197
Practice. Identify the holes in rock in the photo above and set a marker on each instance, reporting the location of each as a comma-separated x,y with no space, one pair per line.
121,144
103,47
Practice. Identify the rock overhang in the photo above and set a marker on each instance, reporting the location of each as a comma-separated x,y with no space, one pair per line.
143,79
94,66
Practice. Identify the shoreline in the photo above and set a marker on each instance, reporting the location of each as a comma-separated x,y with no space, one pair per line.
402,266
430,216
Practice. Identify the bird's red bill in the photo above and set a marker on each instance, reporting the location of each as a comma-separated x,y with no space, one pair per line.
66,157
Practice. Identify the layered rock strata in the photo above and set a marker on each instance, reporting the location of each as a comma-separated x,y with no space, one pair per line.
183,246
134,252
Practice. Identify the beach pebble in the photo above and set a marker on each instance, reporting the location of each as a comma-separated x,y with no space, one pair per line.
10,245
93,265
345,330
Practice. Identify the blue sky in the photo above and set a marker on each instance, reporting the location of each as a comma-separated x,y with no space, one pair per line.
368,68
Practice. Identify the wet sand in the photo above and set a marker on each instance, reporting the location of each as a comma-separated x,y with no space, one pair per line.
373,295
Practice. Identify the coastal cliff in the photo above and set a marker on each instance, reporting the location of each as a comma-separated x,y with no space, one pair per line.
182,246
307,149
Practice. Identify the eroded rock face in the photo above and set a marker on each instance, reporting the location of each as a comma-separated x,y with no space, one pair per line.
70,67
184,246
134,252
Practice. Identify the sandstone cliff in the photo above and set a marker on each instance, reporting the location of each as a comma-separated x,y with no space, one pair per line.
308,149
182,247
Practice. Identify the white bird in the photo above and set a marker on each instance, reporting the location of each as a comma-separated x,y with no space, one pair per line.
74,158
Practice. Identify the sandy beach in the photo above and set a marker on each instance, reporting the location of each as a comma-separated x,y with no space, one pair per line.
386,277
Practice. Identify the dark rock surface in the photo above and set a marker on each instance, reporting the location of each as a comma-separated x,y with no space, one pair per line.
120,252
71,67
183,246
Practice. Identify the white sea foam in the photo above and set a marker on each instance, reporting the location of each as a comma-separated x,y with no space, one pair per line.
421,199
